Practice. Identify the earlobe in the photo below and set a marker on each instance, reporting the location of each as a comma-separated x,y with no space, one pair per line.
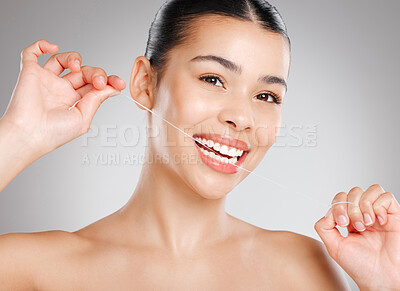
141,82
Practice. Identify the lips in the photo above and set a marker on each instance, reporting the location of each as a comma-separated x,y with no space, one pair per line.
218,161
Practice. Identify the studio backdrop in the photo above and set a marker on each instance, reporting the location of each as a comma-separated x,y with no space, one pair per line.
340,127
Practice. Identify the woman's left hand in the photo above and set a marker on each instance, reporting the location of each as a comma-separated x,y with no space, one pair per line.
370,254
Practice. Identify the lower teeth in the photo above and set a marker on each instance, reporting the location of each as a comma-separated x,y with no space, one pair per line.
219,158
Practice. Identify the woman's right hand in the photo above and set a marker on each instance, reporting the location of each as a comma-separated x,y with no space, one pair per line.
40,107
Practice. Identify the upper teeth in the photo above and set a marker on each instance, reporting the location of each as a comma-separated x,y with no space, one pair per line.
223,149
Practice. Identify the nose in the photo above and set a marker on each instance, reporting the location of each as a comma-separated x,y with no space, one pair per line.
238,115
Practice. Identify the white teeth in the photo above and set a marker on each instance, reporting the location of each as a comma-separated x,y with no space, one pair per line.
232,152
233,160
224,150
219,158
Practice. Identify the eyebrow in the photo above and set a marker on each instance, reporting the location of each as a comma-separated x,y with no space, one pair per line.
231,66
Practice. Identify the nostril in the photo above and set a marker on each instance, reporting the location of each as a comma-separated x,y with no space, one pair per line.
231,122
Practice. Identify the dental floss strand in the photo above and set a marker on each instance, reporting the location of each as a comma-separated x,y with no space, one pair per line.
250,172
74,105
199,141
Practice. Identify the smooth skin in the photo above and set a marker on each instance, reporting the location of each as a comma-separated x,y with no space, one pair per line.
37,119
175,234
370,254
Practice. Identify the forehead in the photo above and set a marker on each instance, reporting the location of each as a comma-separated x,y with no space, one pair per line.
248,44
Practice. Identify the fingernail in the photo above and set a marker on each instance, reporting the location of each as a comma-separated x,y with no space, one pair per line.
78,62
102,79
342,220
359,226
380,219
367,219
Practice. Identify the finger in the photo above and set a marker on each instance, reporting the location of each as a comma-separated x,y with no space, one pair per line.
353,209
340,209
59,62
94,75
384,205
329,234
87,75
35,50
366,201
77,81
84,89
351,229
116,82
91,101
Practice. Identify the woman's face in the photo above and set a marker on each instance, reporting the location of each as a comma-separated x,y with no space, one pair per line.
220,86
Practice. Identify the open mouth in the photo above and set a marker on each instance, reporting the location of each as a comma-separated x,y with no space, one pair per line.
221,152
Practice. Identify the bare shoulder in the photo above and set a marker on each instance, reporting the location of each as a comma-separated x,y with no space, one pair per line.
41,244
27,256
302,260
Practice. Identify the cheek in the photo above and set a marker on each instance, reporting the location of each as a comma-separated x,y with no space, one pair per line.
189,104
268,129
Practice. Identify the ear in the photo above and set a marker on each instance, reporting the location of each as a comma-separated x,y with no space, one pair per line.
141,85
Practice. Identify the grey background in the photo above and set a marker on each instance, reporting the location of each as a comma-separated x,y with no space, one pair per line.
343,75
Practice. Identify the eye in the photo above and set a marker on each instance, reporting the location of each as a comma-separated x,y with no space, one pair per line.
212,80
268,96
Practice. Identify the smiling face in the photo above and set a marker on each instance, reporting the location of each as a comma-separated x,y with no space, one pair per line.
224,85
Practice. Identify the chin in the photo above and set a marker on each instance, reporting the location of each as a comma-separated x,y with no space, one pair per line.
213,195
212,188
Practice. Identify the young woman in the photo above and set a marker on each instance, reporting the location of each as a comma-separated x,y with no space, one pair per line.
217,69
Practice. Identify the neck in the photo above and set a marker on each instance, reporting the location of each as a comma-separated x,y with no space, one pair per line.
166,212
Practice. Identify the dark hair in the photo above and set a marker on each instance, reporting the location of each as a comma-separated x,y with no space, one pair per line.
172,23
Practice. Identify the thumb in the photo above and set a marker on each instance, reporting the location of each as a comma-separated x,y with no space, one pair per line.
92,100
329,234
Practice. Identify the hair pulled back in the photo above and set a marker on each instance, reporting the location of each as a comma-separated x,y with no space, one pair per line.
171,26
